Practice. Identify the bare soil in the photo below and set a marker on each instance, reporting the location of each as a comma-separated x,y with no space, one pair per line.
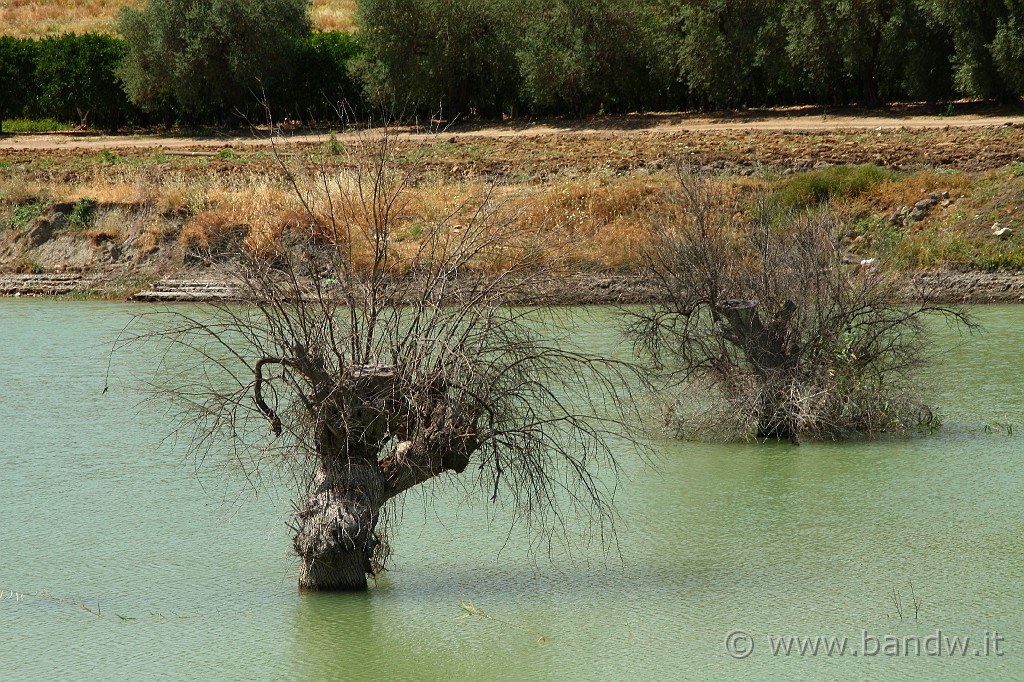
792,139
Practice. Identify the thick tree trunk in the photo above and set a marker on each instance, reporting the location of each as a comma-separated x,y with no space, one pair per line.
354,416
335,530
335,534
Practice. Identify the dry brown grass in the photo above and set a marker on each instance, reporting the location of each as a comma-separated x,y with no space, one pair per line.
101,235
907,190
334,15
595,222
155,230
598,223
37,18
15,190
212,232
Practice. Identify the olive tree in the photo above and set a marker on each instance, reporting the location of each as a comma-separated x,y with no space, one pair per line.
366,364
987,45
760,311
584,57
436,55
208,56
727,52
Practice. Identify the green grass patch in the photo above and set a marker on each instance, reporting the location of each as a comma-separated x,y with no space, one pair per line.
82,213
22,215
334,147
935,244
828,184
941,246
33,125
108,157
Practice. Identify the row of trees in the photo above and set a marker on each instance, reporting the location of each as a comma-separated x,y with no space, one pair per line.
571,56
160,75
208,61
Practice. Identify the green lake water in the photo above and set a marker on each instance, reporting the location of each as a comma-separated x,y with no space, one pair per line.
127,563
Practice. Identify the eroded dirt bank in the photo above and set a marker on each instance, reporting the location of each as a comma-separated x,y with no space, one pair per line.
944,286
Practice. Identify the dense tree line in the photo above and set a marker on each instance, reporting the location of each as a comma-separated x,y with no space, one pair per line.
212,61
573,57
166,73
68,78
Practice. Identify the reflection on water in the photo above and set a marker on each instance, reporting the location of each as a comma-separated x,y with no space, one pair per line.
136,567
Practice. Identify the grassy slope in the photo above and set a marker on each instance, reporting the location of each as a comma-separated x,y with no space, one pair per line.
36,18
596,221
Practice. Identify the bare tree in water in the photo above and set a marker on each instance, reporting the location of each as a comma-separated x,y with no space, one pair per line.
761,317
366,367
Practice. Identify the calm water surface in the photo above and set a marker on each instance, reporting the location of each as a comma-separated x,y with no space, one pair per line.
127,563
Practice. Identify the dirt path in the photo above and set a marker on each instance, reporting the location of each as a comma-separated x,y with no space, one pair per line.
795,120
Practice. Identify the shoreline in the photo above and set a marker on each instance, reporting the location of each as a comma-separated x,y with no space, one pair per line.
941,285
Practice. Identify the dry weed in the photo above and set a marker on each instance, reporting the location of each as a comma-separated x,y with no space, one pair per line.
15,190
109,226
212,232
38,18
156,230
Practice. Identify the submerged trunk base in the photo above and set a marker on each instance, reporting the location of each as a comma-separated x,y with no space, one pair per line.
343,572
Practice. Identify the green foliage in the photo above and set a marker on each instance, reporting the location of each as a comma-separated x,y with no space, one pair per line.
580,57
560,61
987,44
44,84
333,147
23,214
837,182
436,54
34,125
82,213
209,57
75,79
108,157
1008,52
725,49
323,85
17,65
204,61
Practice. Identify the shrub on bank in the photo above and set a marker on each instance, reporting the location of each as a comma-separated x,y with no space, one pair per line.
837,182
74,80
17,64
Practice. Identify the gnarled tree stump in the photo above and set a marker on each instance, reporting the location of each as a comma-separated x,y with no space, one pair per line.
357,415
